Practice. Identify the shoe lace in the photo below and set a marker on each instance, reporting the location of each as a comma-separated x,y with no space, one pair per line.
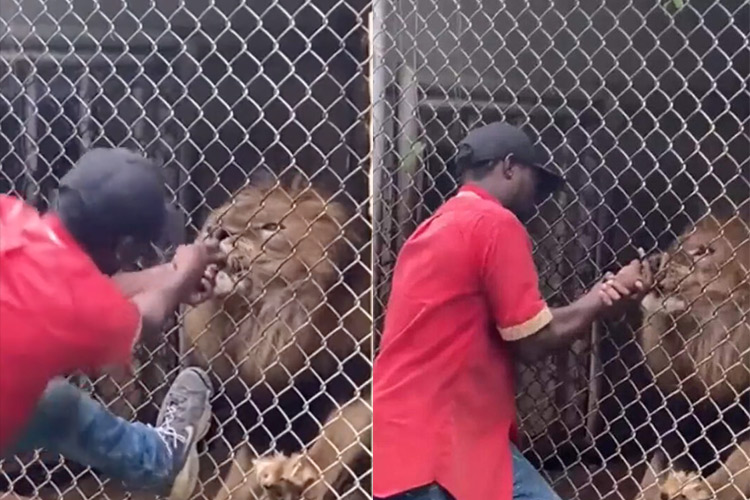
171,436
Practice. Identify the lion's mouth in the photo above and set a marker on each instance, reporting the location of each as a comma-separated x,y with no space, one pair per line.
233,276
657,262
664,286
228,283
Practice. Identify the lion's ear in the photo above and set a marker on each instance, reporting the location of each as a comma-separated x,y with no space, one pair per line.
298,183
263,179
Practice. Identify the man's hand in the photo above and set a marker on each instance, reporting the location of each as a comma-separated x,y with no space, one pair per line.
630,284
196,265
637,277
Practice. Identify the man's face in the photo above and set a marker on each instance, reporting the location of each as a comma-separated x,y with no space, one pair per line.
120,256
525,180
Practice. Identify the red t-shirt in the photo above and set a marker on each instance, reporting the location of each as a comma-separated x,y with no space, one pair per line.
464,286
58,313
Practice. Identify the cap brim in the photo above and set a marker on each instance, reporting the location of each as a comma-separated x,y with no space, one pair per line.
549,182
172,231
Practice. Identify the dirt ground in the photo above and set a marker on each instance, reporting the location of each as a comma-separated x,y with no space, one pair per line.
614,482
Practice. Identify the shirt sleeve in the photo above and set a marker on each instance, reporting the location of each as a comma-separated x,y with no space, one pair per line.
509,277
108,324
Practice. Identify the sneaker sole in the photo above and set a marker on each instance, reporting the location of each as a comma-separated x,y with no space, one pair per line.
184,483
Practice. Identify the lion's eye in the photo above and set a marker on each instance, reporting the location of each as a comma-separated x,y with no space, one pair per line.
271,226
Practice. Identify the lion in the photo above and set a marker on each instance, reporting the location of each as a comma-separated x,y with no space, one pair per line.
696,336
345,438
726,483
293,302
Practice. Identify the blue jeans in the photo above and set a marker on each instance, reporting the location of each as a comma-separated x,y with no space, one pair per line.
69,422
528,484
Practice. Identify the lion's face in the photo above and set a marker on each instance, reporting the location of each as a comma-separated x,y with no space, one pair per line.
711,258
274,236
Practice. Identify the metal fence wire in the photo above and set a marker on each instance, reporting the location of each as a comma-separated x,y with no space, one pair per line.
256,114
331,124
644,106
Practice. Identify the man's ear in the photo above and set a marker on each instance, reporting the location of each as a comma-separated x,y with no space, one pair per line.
507,168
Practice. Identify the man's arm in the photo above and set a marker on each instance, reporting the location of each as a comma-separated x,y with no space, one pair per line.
134,283
157,303
568,323
524,320
108,325
188,278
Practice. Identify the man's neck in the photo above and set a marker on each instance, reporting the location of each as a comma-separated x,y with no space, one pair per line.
500,195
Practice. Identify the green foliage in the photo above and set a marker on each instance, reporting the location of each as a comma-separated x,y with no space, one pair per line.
676,4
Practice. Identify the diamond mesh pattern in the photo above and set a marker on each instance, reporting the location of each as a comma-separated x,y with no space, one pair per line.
644,105
224,96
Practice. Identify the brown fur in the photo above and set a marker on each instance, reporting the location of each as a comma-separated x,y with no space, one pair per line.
729,482
284,312
282,303
699,314
663,483
696,333
287,297
318,473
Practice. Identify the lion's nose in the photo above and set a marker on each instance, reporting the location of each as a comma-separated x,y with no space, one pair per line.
654,261
220,234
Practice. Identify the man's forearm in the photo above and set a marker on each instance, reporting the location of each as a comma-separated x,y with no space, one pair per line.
156,304
568,324
131,284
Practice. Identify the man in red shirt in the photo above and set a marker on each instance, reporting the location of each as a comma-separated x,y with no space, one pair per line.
60,313
464,307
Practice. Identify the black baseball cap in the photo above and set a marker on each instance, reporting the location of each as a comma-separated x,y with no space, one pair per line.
497,141
119,192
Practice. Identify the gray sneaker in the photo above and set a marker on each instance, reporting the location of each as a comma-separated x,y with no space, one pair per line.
184,419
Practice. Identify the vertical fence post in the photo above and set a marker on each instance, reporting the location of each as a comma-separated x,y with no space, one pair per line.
380,130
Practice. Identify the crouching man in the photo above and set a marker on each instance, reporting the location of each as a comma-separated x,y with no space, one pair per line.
61,312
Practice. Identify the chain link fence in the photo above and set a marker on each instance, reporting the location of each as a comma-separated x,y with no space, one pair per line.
276,115
644,106
256,114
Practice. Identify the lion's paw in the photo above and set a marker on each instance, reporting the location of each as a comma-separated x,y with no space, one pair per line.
285,478
681,485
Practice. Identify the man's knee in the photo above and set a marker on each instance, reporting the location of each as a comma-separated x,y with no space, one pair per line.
54,413
60,400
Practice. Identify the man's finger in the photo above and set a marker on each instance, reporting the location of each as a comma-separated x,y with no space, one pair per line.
605,298
633,265
211,272
216,257
211,243
619,287
199,297
611,292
